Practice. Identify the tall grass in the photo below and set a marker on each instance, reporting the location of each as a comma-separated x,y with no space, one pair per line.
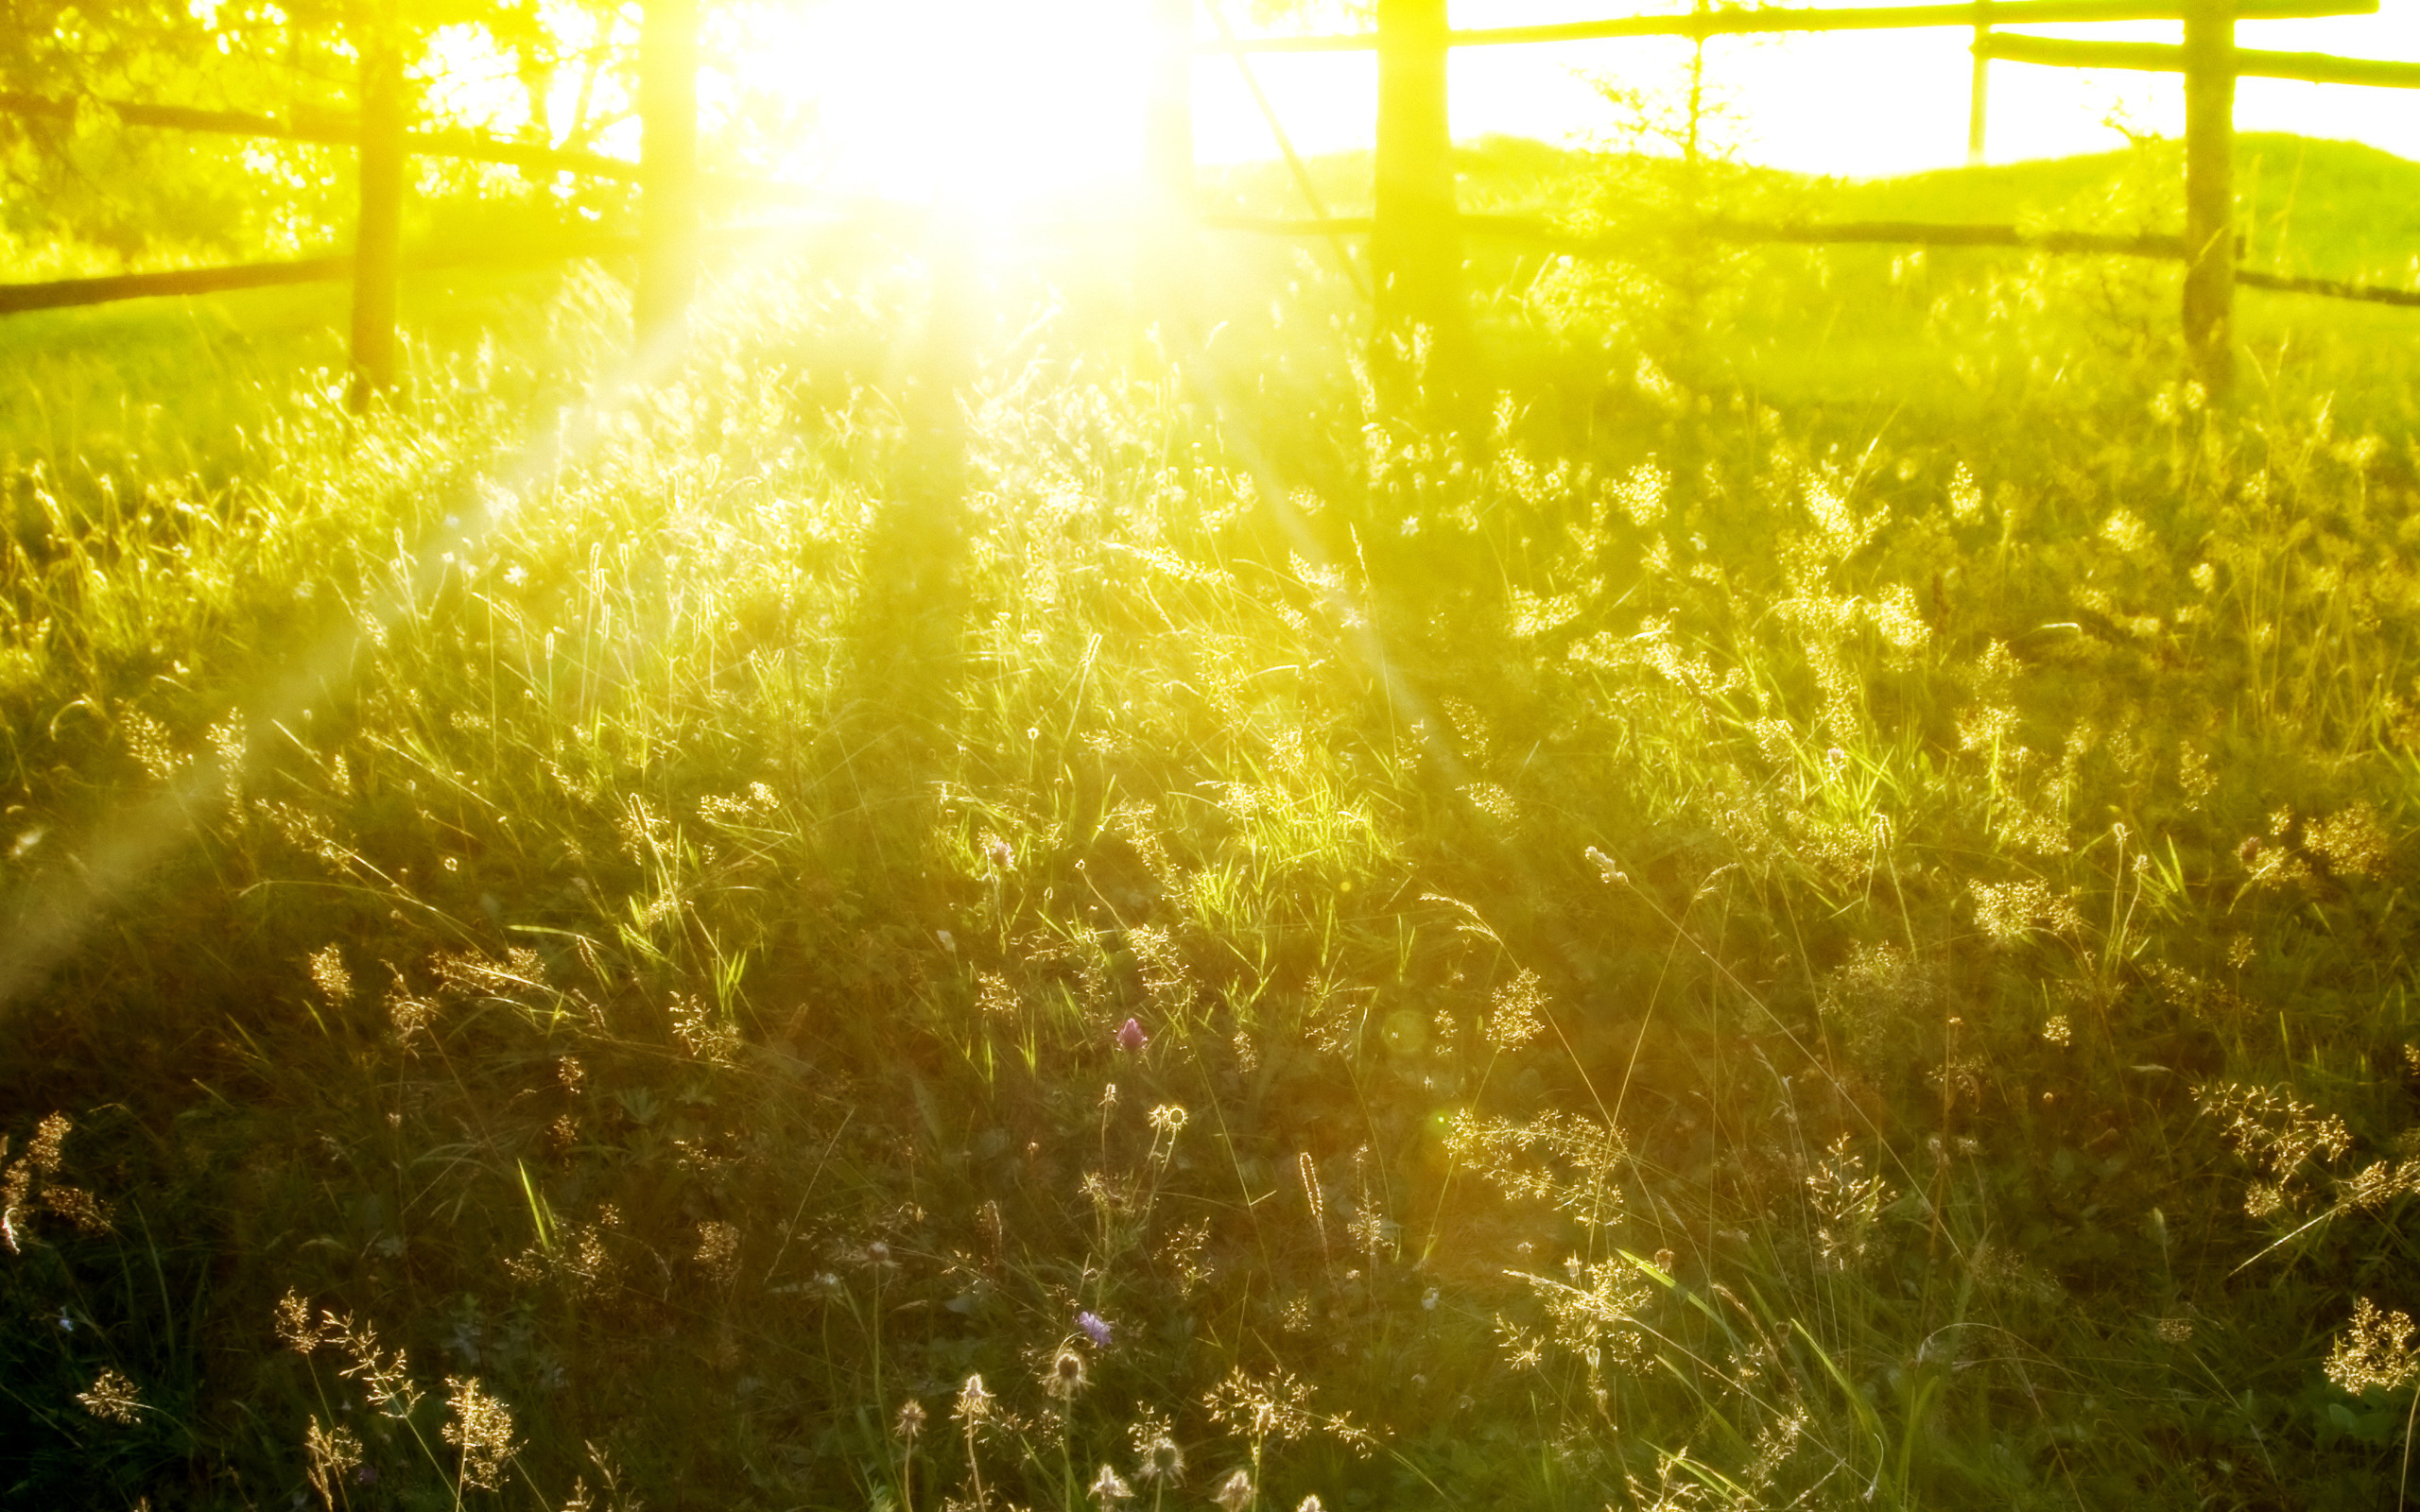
1679,950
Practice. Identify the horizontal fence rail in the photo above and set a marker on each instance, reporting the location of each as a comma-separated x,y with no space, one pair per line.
338,130
1747,232
2150,57
329,128
1700,25
1844,233
17,299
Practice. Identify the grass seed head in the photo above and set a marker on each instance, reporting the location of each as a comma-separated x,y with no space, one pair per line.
330,1455
2374,1352
111,1398
481,1427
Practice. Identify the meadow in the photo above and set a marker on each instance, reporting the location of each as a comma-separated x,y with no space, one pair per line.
1049,907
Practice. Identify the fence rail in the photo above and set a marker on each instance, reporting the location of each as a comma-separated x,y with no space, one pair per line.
1700,25
1416,232
338,128
334,268
2150,57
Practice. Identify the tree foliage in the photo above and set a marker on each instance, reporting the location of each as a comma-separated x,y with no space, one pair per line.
86,187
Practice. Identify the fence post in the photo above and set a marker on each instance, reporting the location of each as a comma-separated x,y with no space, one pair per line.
379,229
1169,129
1166,245
2209,194
668,171
1978,93
1416,234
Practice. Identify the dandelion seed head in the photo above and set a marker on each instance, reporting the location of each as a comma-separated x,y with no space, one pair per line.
974,1402
1235,1492
1064,1381
1163,1461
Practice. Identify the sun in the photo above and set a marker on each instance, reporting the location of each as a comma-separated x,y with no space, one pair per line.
992,107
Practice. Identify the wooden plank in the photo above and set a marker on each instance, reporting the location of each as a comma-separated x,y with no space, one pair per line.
1744,232
1167,129
16,298
1808,18
61,293
330,129
1294,163
669,218
1167,251
2209,195
2331,288
1419,342
1978,93
2249,62
1937,233
378,227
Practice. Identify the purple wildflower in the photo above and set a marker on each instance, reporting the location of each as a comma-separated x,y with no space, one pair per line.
1130,1036
1094,1329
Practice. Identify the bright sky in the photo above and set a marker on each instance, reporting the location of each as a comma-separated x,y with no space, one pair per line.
996,100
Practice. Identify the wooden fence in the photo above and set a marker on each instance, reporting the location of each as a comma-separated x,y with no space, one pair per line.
379,132
1415,233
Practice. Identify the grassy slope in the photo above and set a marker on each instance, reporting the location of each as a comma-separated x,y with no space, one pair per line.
1873,329
736,862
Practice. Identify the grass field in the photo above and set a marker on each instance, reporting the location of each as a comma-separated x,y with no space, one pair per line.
1807,915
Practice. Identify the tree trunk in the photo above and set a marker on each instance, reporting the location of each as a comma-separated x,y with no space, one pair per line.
2210,195
1422,340
668,172
378,231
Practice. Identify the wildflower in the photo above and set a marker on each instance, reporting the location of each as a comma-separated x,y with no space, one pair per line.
974,1402
1064,1379
1131,1036
1428,1300
1163,1462
1235,1492
1109,1487
1310,1503
1001,856
911,1420
1094,1329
